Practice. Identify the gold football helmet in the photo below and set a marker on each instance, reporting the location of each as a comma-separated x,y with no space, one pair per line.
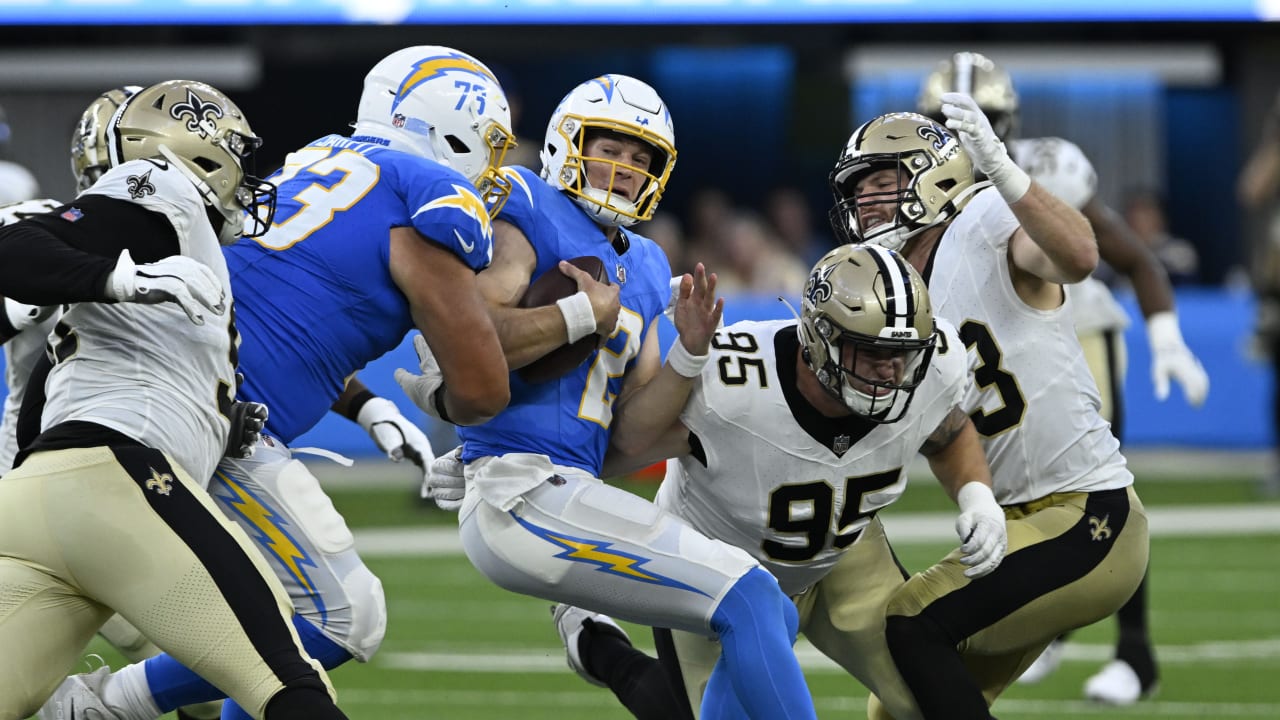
198,129
89,139
935,178
865,300
977,76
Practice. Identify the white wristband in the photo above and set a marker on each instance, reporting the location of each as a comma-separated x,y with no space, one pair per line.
974,493
579,318
685,363
1011,181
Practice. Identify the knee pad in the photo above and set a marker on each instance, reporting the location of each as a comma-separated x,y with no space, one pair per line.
368,613
300,491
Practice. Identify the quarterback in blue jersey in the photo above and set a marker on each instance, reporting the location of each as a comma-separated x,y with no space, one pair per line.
536,518
374,235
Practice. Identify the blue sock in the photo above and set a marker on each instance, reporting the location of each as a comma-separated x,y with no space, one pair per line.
174,686
757,624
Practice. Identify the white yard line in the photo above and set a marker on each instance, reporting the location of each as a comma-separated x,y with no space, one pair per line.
903,528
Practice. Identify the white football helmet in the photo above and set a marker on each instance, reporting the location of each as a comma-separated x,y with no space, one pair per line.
616,104
975,75
439,103
867,299
206,136
89,141
936,177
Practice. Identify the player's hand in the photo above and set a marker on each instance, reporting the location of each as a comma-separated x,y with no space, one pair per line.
422,389
605,301
981,527
21,316
177,278
985,149
1171,358
247,421
445,483
697,313
394,434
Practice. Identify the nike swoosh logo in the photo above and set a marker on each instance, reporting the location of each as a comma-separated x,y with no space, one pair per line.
466,246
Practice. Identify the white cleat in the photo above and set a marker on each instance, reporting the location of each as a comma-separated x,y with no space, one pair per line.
78,698
570,622
1115,684
1045,665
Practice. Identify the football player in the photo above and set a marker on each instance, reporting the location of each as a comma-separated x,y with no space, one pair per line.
1063,169
24,329
538,519
375,234
809,426
105,510
995,255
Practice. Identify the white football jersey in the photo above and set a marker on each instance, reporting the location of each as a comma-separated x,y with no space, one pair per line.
147,371
21,352
1036,404
770,487
1062,168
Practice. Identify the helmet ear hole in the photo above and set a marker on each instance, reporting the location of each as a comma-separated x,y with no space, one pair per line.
456,144
206,164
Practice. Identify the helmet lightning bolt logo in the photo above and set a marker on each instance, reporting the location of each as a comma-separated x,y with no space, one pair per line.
606,83
467,201
606,560
267,528
436,66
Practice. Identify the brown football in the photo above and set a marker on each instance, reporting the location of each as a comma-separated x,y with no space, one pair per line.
551,286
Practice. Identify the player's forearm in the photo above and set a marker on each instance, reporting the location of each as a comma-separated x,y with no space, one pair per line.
674,442
960,461
38,268
1061,233
641,417
528,334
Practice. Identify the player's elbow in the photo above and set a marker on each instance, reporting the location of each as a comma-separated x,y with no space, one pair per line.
478,404
1080,262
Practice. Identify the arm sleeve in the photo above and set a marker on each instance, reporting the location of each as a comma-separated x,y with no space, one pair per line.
52,259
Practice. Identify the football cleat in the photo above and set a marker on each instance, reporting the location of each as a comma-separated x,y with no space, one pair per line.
79,698
1044,665
1117,684
570,623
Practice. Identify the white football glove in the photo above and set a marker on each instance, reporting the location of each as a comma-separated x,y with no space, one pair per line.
422,389
1171,358
177,278
22,316
445,483
985,149
247,421
981,528
394,433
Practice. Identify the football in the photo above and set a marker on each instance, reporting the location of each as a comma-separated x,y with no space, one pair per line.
549,287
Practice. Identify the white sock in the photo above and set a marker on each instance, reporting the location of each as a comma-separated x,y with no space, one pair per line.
128,694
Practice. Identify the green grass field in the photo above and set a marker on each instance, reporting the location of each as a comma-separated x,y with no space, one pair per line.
458,647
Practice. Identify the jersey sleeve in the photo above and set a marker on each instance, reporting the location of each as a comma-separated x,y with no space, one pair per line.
1060,166
446,209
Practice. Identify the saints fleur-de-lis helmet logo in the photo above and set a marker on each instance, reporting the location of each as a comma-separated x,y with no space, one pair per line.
200,114
818,289
140,185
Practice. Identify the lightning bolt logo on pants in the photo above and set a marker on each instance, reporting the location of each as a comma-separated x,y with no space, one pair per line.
606,560
268,529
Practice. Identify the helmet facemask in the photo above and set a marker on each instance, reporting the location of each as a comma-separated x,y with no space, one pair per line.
606,205
867,330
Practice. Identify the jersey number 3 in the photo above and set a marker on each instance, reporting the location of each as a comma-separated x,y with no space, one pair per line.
319,201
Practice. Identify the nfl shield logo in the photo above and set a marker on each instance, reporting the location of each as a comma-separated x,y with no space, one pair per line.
72,214
621,272
840,445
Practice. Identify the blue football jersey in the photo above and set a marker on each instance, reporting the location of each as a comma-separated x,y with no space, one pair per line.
568,419
314,296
